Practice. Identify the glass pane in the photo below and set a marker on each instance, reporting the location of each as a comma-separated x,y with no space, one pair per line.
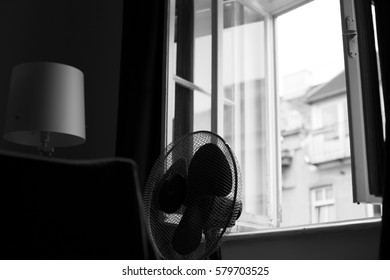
313,115
193,42
194,101
202,50
325,214
379,72
318,195
180,112
317,214
329,193
245,101
184,40
202,111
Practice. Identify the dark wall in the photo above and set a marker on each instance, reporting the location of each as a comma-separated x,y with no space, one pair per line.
85,34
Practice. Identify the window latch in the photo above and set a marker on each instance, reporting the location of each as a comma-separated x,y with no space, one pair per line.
351,35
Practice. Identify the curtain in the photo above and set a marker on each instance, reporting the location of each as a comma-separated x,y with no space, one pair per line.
142,83
382,23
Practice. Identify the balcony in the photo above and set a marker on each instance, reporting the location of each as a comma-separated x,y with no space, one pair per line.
329,143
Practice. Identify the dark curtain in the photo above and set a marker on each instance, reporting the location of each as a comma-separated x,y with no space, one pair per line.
382,23
142,83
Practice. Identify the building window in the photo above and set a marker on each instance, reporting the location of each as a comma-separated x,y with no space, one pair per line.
323,205
225,75
330,132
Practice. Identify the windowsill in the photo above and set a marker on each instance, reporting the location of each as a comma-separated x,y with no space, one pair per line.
333,227
349,240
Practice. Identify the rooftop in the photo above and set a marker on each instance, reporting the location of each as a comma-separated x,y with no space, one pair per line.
331,88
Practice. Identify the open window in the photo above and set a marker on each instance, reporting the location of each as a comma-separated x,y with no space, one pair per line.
290,132
364,99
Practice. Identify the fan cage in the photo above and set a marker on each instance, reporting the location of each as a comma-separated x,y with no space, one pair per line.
176,158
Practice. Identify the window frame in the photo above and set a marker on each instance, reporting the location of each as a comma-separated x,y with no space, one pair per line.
271,10
362,113
217,99
319,203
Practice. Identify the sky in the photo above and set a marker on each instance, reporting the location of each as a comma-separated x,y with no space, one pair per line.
310,38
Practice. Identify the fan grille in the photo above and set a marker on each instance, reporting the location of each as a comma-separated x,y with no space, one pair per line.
219,212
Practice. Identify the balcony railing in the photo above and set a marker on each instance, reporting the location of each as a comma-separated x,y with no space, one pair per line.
330,143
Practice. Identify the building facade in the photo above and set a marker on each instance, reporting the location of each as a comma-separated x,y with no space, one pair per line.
316,158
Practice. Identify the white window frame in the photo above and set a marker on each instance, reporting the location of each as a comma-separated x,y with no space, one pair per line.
217,100
320,203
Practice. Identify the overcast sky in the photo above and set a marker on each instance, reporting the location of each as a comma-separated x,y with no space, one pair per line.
310,38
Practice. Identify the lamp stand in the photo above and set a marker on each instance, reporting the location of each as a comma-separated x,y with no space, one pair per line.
45,150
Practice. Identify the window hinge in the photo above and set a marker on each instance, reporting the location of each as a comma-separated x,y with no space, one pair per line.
351,34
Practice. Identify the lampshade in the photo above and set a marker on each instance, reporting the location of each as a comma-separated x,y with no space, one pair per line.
45,97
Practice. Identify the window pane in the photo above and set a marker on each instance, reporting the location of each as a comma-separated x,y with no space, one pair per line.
325,214
379,73
181,103
245,101
329,193
314,116
319,193
229,123
202,111
193,42
202,47
184,40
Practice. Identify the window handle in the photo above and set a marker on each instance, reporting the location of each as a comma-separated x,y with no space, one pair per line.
351,34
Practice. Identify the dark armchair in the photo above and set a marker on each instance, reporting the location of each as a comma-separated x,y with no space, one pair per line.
70,209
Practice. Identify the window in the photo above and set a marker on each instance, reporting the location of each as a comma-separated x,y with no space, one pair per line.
224,85
225,74
322,205
364,99
330,132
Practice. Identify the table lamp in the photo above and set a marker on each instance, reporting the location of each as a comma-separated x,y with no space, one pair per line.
45,106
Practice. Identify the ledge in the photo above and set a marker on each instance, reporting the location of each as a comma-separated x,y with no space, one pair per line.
334,227
348,240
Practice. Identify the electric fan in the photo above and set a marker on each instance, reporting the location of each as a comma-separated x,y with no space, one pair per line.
192,197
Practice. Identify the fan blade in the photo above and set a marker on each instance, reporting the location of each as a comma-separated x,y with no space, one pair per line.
209,172
224,212
171,190
188,233
172,194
